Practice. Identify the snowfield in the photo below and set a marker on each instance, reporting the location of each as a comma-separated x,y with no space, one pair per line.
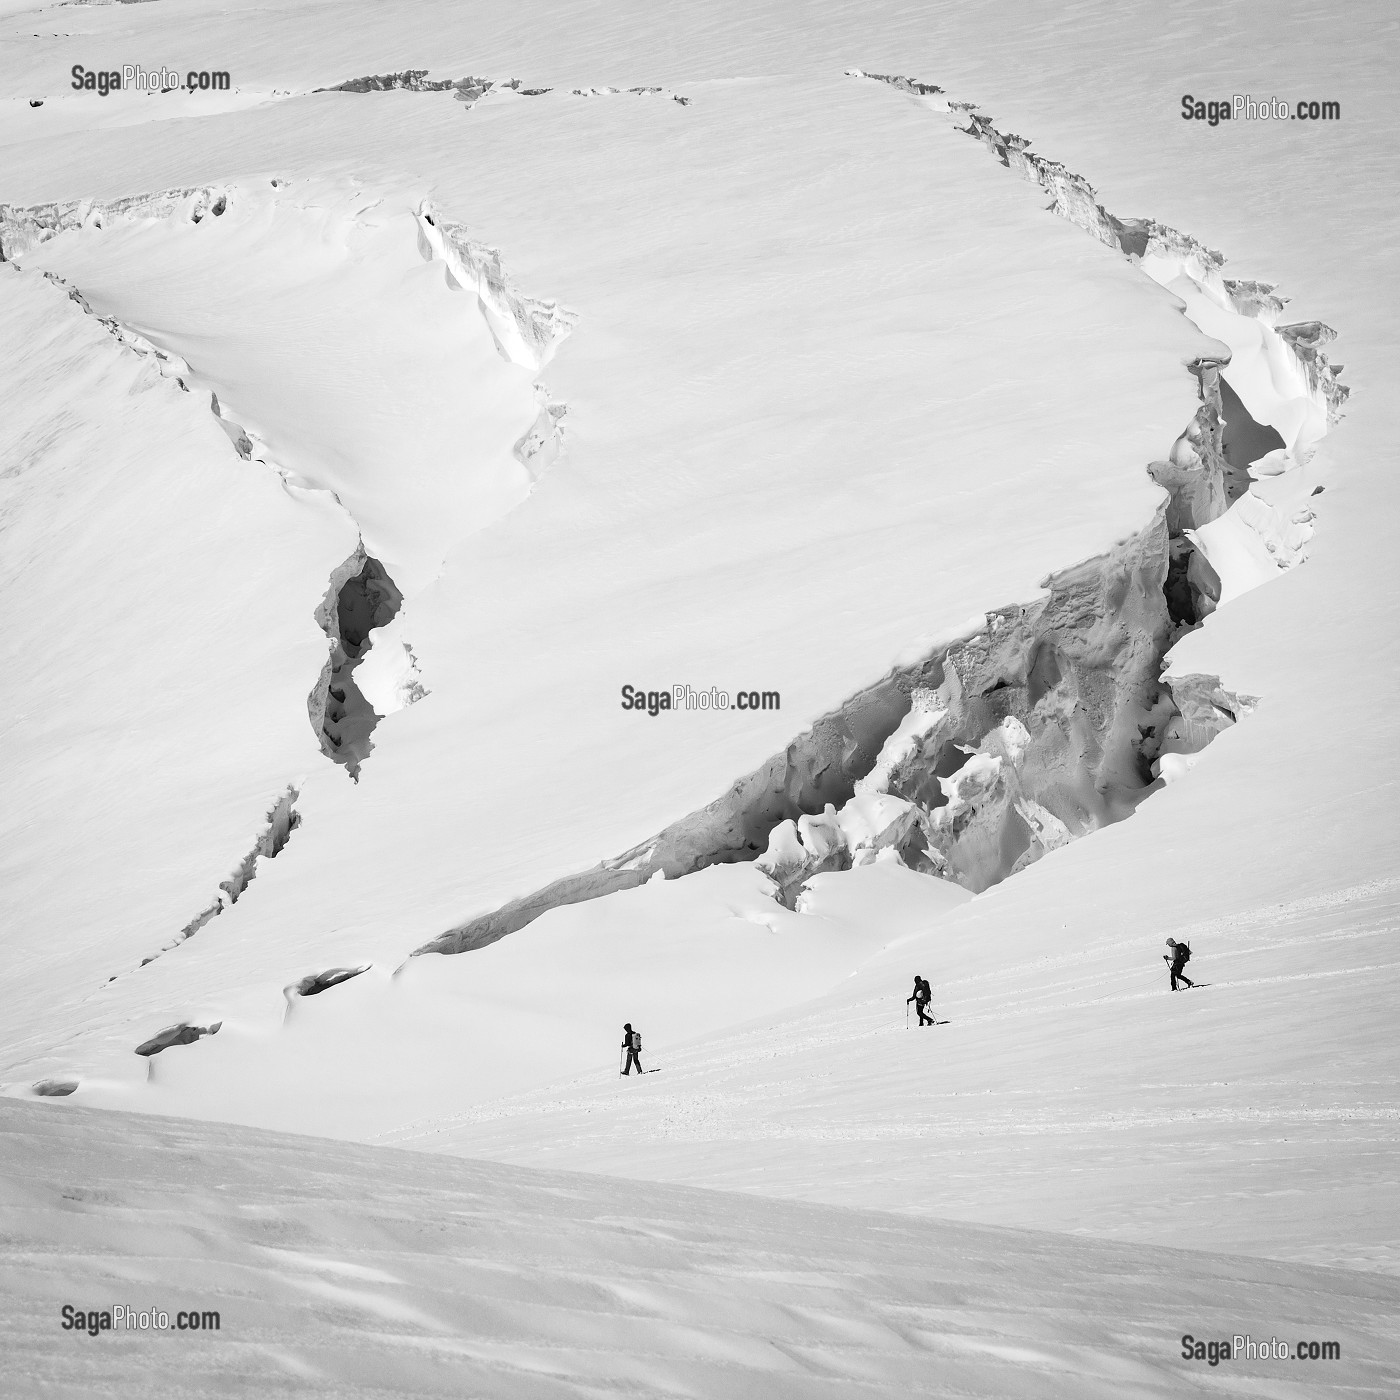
625,567
360,446
344,1270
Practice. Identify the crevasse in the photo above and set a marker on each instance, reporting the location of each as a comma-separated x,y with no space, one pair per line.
1059,716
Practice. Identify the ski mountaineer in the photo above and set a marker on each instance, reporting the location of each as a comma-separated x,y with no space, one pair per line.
632,1044
1176,957
923,994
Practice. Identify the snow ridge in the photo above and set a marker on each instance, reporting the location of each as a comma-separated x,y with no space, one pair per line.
282,819
1281,368
165,365
1145,241
526,330
470,90
24,228
1057,717
1049,721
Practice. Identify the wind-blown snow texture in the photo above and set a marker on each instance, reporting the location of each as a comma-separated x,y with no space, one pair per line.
343,1270
656,348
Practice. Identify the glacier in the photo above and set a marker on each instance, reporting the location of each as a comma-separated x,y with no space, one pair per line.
378,417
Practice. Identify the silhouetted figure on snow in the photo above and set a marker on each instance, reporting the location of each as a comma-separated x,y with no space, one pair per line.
1176,957
923,994
632,1044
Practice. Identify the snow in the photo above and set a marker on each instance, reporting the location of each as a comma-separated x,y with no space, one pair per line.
867,815
1237,552
1068,1090
696,375
389,379
388,675
343,1270
837,386
710,951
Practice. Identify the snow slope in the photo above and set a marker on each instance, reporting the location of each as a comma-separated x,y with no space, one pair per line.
838,385
1063,1090
699,375
388,379
118,492
344,1270
394,1045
